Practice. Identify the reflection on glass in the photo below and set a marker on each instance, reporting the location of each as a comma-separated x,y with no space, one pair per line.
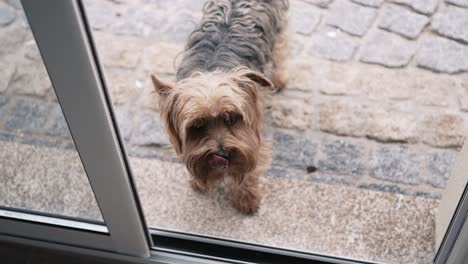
40,169
366,133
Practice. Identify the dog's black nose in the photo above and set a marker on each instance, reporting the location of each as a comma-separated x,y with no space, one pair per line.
224,154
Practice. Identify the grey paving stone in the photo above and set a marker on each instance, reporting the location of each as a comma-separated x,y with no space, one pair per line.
131,22
396,164
303,18
15,3
352,18
446,130
328,179
440,164
319,3
152,153
3,107
125,122
332,44
149,130
57,125
388,49
7,14
442,55
101,14
342,157
30,78
452,22
180,27
27,115
384,188
7,136
402,21
462,3
41,141
423,6
7,68
284,172
427,195
292,149
373,3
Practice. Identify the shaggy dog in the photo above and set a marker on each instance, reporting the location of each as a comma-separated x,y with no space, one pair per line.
213,114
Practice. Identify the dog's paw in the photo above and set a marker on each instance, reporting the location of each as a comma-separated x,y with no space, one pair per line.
248,203
197,187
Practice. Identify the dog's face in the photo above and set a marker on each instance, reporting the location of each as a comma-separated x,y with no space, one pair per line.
214,121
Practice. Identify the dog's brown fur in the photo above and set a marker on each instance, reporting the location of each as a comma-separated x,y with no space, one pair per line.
220,112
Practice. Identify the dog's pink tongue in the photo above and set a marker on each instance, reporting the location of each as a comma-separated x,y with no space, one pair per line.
218,162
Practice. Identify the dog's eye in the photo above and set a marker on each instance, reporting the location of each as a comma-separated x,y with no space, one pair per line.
198,125
231,120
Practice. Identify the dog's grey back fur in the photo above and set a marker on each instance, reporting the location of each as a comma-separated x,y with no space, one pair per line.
233,33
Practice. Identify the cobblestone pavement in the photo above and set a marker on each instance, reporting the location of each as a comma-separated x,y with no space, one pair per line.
377,97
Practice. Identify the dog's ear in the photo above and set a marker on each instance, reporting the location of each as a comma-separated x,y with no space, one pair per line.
160,86
260,79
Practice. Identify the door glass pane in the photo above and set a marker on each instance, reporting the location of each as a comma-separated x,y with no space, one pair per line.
40,169
364,136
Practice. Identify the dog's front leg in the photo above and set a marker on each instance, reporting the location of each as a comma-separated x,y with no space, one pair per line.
246,196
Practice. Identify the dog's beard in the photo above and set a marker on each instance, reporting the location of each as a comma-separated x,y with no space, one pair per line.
242,147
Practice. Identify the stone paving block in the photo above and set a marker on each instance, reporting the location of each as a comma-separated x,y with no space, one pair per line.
119,51
433,89
303,18
149,130
292,149
7,68
452,22
352,18
124,85
463,97
384,188
12,37
301,75
335,78
376,83
395,164
57,125
442,55
388,124
15,4
7,14
342,118
102,14
125,122
27,115
179,27
319,3
444,130
462,3
373,3
388,49
400,20
3,107
292,113
440,165
423,6
342,157
332,44
30,77
160,57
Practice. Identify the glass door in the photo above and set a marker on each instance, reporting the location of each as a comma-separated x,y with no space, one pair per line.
61,161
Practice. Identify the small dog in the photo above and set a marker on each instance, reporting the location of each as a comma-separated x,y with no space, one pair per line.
213,114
